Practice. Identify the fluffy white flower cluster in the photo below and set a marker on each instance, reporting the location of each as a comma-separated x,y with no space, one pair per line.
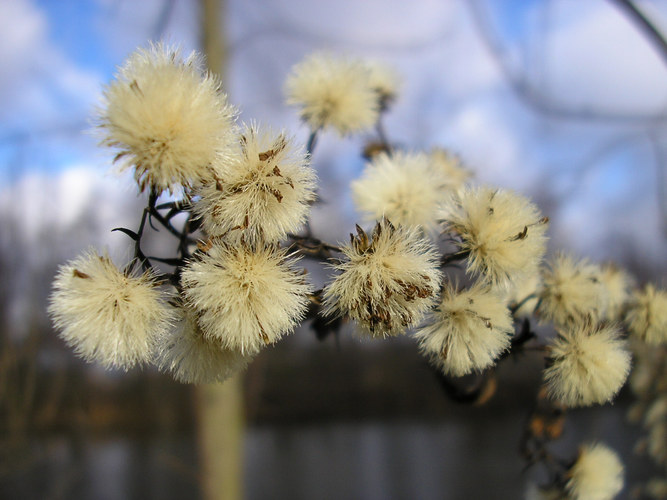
247,189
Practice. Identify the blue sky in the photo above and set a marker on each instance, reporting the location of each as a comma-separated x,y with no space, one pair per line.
458,93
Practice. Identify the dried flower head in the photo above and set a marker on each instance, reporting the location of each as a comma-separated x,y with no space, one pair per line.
502,233
468,330
168,119
333,92
387,281
245,297
402,187
617,284
193,358
647,315
596,475
262,194
572,291
384,81
107,315
589,365
455,175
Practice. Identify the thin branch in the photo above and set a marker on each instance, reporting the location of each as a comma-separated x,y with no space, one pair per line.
649,29
532,95
312,140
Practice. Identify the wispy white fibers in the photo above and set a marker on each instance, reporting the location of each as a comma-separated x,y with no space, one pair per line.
385,283
589,365
261,194
167,118
107,315
245,297
467,331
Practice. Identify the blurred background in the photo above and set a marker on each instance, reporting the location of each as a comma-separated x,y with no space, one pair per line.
562,100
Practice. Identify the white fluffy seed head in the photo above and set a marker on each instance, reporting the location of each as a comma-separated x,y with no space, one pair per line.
572,291
503,233
261,194
454,174
647,315
106,315
402,187
386,282
589,365
193,358
617,283
245,297
384,81
596,475
167,119
333,92
468,330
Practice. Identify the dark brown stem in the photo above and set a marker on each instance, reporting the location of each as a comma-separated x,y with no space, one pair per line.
312,140
313,247
453,257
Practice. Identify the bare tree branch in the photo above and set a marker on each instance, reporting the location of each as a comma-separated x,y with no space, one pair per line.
534,96
645,25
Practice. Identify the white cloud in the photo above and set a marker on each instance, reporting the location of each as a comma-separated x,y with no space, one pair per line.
40,85
597,57
67,211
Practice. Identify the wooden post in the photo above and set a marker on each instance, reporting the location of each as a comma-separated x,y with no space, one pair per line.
219,406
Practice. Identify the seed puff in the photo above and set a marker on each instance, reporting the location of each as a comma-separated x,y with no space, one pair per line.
167,119
245,297
107,315
596,475
193,358
402,187
572,291
589,365
386,282
333,92
467,331
647,315
262,194
502,233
